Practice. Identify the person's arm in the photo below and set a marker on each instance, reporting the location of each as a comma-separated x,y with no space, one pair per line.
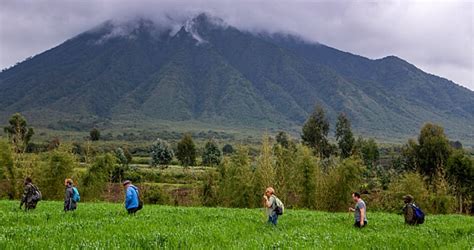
267,202
362,216
351,209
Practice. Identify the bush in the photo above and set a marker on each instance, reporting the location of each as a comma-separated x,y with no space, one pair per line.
410,183
161,153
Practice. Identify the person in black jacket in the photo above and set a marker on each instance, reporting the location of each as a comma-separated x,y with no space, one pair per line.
69,203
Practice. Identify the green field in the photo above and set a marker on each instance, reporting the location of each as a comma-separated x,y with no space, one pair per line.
107,226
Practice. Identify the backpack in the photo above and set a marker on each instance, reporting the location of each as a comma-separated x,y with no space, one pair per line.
419,215
140,202
36,194
76,197
280,208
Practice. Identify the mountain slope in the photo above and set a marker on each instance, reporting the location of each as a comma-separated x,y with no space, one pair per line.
210,72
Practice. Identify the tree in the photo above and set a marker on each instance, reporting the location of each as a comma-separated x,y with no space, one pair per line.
433,150
306,176
97,176
460,171
186,152
211,155
368,150
236,180
118,171
7,168
227,149
315,132
161,153
283,139
94,134
58,166
18,132
264,171
285,173
344,136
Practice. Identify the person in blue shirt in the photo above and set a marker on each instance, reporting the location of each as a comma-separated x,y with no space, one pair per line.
132,200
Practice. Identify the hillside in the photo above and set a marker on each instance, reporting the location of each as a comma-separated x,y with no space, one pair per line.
212,73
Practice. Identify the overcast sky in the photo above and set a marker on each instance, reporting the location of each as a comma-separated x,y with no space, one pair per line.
436,36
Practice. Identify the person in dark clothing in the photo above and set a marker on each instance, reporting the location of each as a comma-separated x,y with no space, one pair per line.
31,195
409,211
69,203
360,211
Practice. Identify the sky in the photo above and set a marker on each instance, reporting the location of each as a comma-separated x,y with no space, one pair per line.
436,36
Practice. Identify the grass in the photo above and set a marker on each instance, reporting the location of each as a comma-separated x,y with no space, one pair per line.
107,226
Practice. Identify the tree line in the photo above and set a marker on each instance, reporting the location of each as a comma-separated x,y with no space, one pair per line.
312,173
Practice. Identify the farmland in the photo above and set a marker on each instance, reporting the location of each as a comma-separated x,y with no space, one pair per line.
106,225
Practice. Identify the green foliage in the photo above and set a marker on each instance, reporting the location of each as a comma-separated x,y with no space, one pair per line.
186,152
94,134
345,138
163,227
210,195
433,149
306,177
339,182
59,164
211,155
315,132
18,132
7,168
460,171
236,180
285,178
161,153
283,139
264,175
98,175
227,149
410,183
368,150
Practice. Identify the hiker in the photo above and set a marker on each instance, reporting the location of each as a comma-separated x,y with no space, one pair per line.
71,196
132,199
360,211
412,217
31,195
273,205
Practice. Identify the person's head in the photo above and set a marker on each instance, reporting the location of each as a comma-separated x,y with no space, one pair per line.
68,182
356,196
408,199
269,191
126,184
27,180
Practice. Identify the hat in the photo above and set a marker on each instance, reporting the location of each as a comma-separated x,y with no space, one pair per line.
408,198
126,182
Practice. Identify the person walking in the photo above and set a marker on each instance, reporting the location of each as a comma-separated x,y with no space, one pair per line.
31,195
273,205
132,199
360,211
70,196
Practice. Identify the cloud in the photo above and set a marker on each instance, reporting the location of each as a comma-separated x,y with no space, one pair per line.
435,36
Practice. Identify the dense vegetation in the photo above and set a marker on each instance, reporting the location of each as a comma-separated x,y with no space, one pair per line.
315,174
107,226
235,78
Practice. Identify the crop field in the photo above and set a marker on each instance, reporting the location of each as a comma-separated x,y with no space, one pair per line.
107,226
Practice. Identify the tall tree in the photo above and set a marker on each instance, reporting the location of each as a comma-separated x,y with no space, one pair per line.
345,138
307,172
283,139
161,153
94,134
433,149
19,132
460,171
211,156
264,171
186,152
315,132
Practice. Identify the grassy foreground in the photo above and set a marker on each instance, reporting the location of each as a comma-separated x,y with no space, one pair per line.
107,226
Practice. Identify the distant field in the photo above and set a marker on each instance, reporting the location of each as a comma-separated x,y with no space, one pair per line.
106,225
